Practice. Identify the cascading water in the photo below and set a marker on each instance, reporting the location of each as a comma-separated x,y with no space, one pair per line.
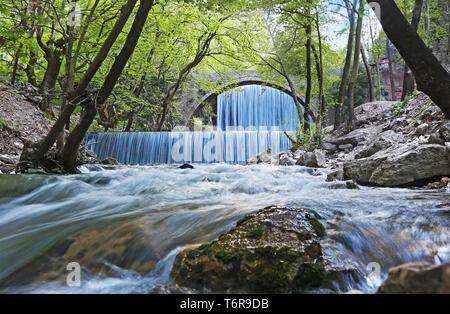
256,107
250,120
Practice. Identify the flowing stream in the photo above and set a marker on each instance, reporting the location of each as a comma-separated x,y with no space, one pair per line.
187,207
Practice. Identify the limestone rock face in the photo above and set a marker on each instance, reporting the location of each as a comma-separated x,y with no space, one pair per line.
382,141
373,111
358,136
417,278
400,164
329,147
316,159
275,251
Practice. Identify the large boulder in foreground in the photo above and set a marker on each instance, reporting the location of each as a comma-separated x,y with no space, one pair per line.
275,251
401,165
417,278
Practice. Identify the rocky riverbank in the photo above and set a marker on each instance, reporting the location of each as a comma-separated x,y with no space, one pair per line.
22,122
394,145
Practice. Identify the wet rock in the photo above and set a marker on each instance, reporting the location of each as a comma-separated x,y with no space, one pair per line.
252,161
109,161
382,141
38,171
417,278
85,156
444,131
275,251
442,184
400,165
285,160
315,159
347,185
92,168
337,175
275,160
186,166
265,157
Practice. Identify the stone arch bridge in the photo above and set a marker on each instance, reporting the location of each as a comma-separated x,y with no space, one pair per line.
194,98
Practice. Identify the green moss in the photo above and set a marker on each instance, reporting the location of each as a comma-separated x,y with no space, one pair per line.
228,257
243,220
318,227
310,275
3,123
270,280
255,233
303,236
265,251
205,249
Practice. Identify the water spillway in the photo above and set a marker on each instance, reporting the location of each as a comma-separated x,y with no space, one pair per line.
250,120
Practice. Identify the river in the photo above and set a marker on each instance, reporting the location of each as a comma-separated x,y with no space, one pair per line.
187,207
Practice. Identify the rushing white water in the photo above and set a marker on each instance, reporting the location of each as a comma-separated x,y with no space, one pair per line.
186,207
250,120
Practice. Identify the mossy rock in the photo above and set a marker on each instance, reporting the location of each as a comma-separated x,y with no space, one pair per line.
275,251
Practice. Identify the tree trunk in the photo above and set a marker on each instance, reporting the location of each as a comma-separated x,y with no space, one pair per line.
391,71
79,96
321,91
355,69
306,124
369,75
408,77
348,61
15,65
29,70
431,77
69,153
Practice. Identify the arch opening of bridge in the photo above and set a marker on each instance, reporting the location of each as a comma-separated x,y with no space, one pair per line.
210,98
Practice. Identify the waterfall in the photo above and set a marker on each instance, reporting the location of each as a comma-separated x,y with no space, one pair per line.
250,120
256,107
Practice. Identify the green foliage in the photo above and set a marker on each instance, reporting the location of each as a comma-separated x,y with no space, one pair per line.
318,227
309,139
3,123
